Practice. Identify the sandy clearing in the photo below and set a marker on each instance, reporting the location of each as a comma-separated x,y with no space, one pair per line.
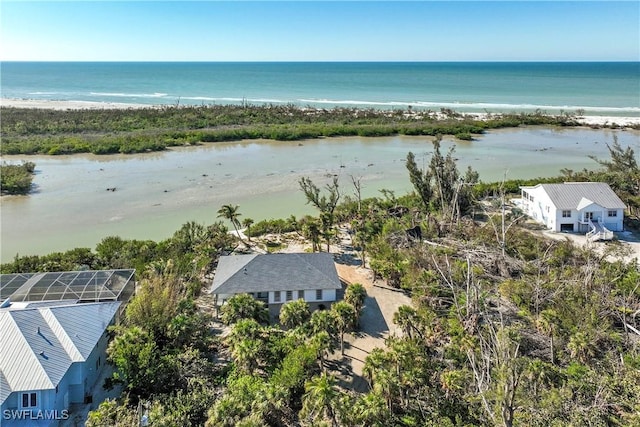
629,244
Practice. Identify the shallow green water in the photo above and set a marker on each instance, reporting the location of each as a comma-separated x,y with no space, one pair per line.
157,192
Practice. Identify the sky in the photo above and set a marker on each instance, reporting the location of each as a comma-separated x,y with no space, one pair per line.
319,31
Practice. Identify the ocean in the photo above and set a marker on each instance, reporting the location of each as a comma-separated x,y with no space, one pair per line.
597,88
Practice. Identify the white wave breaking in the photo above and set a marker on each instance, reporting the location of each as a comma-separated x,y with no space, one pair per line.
161,98
130,95
472,105
230,99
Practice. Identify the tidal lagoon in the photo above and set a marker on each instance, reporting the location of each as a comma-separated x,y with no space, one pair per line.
155,193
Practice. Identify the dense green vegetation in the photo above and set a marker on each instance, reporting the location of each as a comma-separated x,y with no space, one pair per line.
42,131
505,328
16,179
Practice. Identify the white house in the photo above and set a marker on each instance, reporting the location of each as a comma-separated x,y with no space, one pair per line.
51,355
278,278
586,207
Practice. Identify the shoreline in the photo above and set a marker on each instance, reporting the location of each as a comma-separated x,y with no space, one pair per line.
586,120
158,192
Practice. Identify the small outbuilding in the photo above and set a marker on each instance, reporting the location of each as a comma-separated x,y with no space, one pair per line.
581,207
278,278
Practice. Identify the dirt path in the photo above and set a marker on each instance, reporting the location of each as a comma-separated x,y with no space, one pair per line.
376,324
376,319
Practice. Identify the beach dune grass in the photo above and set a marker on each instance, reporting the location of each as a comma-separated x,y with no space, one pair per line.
135,130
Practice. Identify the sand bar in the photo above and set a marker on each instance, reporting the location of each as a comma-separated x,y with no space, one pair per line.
91,105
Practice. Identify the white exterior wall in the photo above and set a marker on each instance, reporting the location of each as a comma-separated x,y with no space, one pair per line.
615,223
573,219
541,209
328,295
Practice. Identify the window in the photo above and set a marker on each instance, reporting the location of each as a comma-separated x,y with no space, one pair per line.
289,295
29,400
566,214
276,296
612,214
300,294
318,294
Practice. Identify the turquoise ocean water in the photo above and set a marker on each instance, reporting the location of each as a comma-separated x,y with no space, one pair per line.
602,88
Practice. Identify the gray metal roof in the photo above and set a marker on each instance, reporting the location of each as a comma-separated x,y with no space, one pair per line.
571,194
91,285
275,272
5,391
39,345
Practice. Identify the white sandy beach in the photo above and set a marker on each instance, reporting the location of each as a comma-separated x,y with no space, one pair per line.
588,120
66,105
79,105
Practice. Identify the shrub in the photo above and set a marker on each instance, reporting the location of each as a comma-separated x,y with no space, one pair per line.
16,179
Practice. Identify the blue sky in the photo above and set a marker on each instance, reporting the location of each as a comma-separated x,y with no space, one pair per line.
320,31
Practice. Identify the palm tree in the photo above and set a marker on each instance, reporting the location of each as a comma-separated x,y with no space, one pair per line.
244,344
323,320
320,398
355,294
547,323
244,306
231,213
247,223
323,344
345,317
312,232
406,317
294,313
371,409
245,353
376,361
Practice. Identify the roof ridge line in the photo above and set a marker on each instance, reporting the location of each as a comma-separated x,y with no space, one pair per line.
316,268
61,333
242,268
30,354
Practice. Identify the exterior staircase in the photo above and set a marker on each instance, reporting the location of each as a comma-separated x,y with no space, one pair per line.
598,232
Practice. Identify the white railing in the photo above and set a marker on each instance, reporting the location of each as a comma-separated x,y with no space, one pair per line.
598,232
